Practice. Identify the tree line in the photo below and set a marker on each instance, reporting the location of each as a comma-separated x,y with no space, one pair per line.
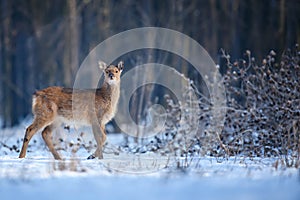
42,43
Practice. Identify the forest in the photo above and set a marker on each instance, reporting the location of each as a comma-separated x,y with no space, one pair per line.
43,43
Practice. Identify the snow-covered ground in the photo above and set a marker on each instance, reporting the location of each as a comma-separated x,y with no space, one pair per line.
131,176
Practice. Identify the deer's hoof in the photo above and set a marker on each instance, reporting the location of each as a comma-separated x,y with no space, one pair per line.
91,157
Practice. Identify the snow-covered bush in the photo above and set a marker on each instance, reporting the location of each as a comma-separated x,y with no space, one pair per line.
263,118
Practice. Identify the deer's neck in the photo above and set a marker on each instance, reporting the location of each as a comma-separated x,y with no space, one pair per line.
111,92
115,94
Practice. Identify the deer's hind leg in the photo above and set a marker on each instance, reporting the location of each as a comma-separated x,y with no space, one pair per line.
47,136
30,131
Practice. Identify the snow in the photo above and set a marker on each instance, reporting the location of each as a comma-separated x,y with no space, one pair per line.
137,176
124,187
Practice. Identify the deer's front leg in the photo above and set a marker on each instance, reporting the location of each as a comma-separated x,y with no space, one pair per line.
100,137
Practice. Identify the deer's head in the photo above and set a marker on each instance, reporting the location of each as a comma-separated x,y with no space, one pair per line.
112,73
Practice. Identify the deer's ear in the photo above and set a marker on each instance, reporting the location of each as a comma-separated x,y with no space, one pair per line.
102,65
121,66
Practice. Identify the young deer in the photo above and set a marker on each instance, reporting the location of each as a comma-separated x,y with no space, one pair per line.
56,105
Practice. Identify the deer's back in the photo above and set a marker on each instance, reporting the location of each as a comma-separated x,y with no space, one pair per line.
66,104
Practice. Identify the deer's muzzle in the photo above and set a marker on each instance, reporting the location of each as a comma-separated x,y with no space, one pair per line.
110,75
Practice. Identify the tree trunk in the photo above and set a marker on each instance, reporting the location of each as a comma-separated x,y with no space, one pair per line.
7,64
72,45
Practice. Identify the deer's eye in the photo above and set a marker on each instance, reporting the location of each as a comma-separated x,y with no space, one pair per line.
116,71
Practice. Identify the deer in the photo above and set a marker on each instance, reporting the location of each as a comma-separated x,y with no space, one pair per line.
54,106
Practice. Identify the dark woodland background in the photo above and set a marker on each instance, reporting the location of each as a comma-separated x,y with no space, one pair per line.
42,43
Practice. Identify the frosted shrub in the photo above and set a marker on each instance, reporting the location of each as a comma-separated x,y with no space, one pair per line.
264,106
262,119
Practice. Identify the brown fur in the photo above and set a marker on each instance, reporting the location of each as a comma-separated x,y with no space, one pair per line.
56,105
